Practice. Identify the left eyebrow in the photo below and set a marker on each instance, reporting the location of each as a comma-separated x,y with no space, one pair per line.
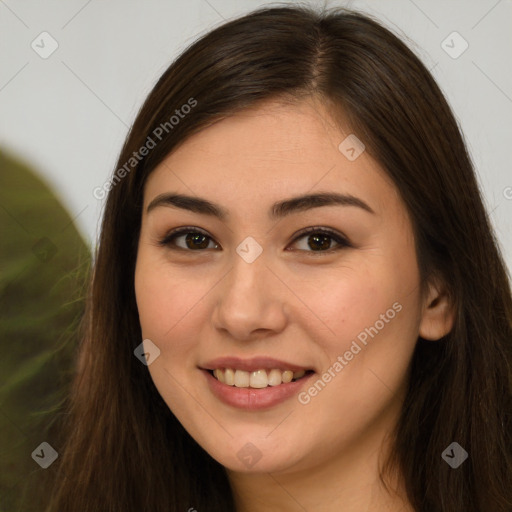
278,209
306,202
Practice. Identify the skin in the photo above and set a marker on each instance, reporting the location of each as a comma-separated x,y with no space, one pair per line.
291,303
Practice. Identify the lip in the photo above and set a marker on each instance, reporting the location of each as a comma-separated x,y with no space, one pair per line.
251,399
252,364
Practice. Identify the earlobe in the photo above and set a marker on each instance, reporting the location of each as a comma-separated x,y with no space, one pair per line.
438,314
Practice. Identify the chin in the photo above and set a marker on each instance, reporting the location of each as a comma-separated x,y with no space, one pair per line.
253,457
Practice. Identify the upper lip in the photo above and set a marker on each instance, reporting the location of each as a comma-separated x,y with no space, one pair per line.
252,364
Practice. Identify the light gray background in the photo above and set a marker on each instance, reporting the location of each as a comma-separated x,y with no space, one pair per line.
67,115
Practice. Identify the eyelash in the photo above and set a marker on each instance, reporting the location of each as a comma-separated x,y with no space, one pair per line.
341,240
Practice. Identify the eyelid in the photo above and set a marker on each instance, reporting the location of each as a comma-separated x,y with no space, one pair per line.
183,230
338,237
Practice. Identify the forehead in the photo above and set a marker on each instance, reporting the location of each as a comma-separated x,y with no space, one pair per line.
274,130
270,151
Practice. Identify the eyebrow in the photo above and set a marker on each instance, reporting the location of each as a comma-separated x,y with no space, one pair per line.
278,210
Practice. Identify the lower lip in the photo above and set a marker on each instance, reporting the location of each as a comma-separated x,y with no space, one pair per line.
252,399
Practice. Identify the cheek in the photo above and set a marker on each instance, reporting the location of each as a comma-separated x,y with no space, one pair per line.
169,304
174,306
166,298
373,323
349,303
375,305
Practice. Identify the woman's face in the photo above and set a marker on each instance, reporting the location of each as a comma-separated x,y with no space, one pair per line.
253,296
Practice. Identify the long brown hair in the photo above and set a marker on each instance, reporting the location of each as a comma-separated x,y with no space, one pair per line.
125,450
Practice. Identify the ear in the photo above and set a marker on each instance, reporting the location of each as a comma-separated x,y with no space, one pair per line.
438,313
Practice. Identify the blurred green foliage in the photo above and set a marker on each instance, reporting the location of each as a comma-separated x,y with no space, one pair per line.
44,266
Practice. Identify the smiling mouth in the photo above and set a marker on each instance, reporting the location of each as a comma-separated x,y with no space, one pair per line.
257,379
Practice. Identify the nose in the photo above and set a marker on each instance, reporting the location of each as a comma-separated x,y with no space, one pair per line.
250,301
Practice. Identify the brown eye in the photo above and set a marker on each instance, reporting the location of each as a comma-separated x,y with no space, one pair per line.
320,240
189,239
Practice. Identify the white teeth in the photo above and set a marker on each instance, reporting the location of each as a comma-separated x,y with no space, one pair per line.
257,379
274,377
241,379
229,376
219,375
287,376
